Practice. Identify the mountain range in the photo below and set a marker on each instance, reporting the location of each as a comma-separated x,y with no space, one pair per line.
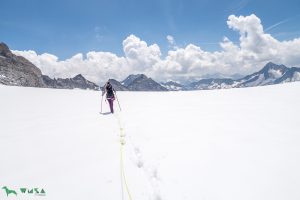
18,71
69,83
270,74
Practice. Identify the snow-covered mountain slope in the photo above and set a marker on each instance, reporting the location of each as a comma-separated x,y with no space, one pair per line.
270,74
210,84
173,86
266,76
231,144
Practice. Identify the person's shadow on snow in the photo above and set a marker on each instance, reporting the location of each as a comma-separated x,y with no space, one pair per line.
106,113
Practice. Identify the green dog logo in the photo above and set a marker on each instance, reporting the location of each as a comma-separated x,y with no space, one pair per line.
8,191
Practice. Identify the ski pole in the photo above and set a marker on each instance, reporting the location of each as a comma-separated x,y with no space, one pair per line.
118,101
101,103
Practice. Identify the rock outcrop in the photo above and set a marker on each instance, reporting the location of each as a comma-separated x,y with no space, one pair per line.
18,71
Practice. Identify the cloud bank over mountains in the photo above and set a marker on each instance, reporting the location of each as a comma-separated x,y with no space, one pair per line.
255,49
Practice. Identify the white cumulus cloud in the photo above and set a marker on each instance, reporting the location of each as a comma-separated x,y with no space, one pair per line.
255,48
140,57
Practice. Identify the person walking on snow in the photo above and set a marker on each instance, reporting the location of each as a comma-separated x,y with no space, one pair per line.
110,96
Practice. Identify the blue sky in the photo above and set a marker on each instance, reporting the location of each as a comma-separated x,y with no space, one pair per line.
67,27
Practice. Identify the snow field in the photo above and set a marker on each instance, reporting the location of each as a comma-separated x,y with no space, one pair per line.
211,145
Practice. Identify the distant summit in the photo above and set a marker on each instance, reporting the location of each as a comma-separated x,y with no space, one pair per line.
141,82
270,74
129,80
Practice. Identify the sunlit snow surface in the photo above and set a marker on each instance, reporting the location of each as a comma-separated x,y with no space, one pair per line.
233,144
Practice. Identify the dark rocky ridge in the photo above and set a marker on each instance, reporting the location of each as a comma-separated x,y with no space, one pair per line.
16,70
69,83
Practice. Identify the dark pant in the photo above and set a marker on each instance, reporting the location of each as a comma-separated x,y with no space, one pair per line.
111,104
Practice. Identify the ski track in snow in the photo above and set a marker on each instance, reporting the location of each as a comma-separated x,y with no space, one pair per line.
150,171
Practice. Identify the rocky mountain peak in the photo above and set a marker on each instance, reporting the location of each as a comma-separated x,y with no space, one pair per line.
133,77
271,65
79,77
140,82
16,70
4,50
272,70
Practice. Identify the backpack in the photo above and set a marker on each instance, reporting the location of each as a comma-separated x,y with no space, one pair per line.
109,91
